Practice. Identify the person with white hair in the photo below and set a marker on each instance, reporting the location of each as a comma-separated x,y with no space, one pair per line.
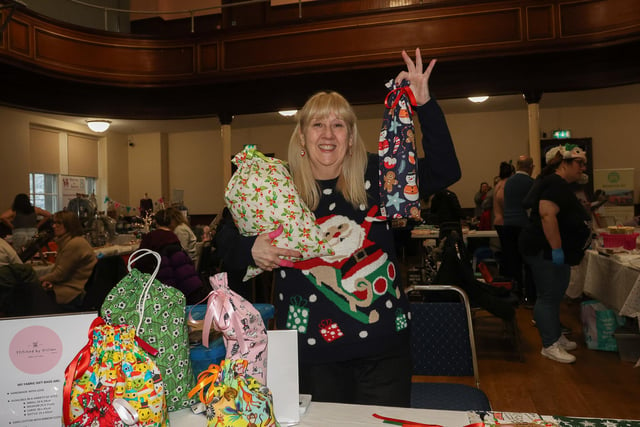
556,238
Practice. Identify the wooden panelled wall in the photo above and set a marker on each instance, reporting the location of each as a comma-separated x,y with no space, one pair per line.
494,47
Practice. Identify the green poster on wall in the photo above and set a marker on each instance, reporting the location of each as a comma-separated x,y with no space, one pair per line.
617,186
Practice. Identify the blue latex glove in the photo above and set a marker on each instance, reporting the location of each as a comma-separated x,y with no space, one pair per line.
557,256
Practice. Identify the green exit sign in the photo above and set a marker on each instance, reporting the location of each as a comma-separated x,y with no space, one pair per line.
562,133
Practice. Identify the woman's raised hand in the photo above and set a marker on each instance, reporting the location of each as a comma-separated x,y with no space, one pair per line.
419,80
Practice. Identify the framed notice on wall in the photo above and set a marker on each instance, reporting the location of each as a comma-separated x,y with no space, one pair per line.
71,186
34,353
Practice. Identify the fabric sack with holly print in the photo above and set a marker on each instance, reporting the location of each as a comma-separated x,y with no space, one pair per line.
261,197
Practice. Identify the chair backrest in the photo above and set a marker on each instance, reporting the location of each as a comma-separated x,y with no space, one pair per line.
442,339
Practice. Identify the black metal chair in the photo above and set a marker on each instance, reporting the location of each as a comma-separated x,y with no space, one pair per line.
443,345
455,269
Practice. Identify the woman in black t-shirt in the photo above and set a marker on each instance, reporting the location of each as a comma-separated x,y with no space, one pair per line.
555,239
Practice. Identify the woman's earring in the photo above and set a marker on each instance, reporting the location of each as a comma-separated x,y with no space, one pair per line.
302,152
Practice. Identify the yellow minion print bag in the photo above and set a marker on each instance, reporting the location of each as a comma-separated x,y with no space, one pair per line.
112,381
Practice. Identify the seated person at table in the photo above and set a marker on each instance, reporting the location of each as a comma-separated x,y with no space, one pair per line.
176,268
23,219
10,264
74,262
8,255
186,236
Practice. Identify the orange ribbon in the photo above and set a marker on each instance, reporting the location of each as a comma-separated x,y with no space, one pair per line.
205,384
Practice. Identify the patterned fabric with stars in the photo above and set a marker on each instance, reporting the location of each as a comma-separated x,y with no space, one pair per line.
399,196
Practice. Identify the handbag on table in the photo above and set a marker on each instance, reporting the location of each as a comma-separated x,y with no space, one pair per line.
113,381
158,311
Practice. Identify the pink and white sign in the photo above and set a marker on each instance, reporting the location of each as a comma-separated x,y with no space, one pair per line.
34,352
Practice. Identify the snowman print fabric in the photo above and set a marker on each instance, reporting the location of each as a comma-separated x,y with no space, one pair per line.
399,195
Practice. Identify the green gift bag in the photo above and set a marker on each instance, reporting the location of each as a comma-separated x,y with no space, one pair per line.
158,311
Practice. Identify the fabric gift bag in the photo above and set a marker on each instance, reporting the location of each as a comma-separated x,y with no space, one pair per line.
261,196
233,398
158,310
399,195
112,381
242,327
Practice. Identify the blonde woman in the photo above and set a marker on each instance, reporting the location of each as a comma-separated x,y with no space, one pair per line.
353,347
185,234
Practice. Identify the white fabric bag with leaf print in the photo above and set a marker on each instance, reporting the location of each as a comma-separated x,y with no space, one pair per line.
261,197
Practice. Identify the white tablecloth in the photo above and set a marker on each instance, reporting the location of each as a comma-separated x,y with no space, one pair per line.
110,250
321,414
116,249
432,233
613,280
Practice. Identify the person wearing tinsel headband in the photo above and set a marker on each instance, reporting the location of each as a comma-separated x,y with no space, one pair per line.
556,238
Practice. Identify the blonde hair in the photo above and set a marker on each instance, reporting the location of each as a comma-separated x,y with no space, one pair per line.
351,179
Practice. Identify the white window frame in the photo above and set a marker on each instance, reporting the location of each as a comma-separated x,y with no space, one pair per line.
49,201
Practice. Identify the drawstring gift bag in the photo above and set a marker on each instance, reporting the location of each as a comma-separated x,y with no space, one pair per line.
233,398
261,197
113,381
397,156
242,327
158,311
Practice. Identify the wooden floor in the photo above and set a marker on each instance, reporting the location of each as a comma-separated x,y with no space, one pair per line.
598,385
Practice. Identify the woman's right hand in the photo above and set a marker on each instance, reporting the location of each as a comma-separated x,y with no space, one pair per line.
267,256
418,79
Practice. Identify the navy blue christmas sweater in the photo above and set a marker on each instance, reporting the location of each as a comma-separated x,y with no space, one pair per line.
352,307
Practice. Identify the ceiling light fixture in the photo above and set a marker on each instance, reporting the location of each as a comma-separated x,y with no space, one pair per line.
478,99
287,113
99,125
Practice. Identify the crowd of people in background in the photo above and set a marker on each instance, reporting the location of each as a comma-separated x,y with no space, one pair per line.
543,229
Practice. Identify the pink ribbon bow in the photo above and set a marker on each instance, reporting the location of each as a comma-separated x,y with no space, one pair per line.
218,305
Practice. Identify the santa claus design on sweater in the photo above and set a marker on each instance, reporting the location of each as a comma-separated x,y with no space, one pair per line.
357,274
